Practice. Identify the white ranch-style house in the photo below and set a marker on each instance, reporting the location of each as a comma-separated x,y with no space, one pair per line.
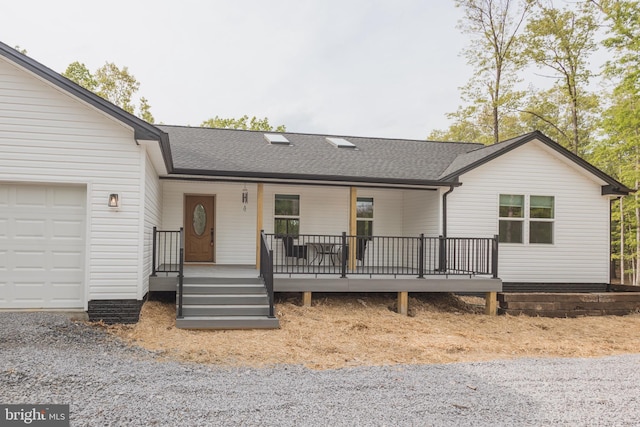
98,208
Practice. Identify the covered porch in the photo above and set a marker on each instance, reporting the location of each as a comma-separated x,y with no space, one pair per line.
322,263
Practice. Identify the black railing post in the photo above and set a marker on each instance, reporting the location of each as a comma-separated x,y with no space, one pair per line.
153,252
343,261
494,256
270,287
181,272
442,254
421,257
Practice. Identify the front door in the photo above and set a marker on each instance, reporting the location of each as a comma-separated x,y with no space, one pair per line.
198,225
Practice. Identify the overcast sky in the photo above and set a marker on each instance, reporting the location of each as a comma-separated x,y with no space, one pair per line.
349,67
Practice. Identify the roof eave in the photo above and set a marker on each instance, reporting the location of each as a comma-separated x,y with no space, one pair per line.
611,190
310,177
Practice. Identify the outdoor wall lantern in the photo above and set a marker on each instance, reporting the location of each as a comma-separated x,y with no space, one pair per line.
114,200
245,198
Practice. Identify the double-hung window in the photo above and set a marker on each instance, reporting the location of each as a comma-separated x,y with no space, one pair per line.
287,215
520,214
364,216
511,218
541,218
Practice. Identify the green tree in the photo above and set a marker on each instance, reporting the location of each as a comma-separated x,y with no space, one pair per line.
243,122
494,53
561,41
619,151
116,85
79,73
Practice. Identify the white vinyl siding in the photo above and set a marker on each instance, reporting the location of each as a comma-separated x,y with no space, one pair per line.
234,228
48,136
421,213
152,217
580,251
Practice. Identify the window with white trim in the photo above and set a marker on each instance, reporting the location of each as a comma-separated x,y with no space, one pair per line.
534,215
541,219
287,215
364,216
511,220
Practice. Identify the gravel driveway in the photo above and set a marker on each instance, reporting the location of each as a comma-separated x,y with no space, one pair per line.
46,359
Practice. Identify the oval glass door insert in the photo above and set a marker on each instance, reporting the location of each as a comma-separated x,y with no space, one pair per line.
199,219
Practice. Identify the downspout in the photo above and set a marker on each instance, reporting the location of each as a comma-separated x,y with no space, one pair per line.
442,257
444,211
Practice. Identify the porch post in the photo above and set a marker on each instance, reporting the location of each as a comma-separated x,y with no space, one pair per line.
403,303
491,303
259,217
353,226
306,299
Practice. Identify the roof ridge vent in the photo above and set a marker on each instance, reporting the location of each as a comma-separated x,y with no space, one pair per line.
340,143
276,139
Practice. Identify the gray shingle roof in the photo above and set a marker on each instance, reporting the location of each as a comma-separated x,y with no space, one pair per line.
241,153
477,155
244,153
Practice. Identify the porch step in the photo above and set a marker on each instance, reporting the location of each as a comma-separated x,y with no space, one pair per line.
227,322
225,310
222,280
225,303
224,299
222,288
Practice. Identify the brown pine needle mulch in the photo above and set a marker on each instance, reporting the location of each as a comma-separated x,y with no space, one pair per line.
354,330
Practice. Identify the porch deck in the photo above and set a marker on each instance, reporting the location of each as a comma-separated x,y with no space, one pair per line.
242,296
316,279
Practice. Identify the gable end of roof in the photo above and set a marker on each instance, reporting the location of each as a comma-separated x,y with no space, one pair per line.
613,187
142,129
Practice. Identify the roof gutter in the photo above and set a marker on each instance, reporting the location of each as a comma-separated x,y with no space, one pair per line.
194,173
444,210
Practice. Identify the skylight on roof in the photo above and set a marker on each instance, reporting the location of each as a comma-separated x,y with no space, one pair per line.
276,139
340,142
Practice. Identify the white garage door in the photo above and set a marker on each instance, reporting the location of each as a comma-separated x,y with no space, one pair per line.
42,238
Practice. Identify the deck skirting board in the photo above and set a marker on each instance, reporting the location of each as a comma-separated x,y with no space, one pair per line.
295,284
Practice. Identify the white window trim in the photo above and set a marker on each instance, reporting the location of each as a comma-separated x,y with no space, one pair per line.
366,219
526,219
276,216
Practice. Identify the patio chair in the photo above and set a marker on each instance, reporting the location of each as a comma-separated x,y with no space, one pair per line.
294,251
361,248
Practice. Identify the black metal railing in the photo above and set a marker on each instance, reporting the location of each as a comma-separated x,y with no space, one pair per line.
266,270
382,255
168,257
166,251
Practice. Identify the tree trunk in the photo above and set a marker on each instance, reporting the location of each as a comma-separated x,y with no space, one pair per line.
621,242
637,209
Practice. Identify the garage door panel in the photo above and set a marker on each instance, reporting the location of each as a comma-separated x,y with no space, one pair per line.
30,196
29,260
67,261
67,198
67,229
42,244
4,196
29,229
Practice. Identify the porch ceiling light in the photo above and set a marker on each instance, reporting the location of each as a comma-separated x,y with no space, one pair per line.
245,198
114,200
